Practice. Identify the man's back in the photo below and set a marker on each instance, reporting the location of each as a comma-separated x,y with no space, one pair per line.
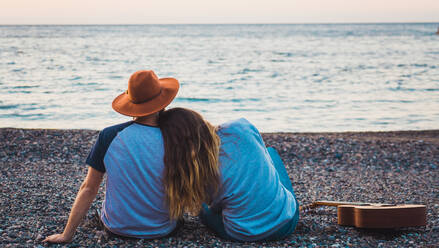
134,203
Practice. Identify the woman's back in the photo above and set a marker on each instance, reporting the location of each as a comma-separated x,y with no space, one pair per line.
253,200
250,197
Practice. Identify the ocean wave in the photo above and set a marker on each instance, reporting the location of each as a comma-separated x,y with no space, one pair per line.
413,89
25,87
10,106
284,54
18,70
75,78
36,116
216,100
85,84
19,91
248,70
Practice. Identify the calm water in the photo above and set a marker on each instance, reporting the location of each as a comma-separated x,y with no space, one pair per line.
281,77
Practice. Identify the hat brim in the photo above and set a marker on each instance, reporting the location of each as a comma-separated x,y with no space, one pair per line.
169,89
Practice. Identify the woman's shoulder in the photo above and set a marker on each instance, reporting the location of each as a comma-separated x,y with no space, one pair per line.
241,129
237,126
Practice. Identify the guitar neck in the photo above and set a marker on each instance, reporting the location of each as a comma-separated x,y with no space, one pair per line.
337,203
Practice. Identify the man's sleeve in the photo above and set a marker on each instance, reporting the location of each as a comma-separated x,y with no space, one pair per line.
96,156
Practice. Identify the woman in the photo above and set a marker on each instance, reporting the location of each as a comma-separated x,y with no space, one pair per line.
131,154
246,187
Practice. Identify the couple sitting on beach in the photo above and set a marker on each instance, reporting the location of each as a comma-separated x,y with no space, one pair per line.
165,163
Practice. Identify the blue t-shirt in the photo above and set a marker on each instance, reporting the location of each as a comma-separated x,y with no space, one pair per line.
132,156
253,200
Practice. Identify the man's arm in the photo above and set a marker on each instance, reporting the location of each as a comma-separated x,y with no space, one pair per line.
84,198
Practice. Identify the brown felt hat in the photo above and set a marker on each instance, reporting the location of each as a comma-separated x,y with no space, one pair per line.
146,94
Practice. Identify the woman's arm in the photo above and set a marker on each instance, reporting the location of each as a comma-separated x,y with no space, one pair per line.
85,197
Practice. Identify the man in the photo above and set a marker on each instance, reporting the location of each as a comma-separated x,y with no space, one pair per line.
131,154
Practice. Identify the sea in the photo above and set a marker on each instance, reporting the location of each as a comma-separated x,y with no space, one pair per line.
281,77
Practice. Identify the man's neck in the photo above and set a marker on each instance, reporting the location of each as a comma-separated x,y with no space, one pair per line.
150,120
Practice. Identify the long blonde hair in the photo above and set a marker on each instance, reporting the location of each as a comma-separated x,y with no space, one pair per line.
191,160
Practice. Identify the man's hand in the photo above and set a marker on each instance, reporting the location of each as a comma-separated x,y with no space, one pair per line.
85,197
58,238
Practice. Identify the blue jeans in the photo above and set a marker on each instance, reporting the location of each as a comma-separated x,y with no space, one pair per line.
213,219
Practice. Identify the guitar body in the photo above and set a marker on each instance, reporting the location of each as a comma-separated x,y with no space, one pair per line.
374,215
382,216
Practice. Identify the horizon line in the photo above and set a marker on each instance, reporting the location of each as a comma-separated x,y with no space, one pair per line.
219,23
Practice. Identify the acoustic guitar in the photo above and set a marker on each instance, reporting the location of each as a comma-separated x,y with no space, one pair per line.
375,215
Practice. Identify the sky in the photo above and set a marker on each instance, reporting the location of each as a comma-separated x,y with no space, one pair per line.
215,11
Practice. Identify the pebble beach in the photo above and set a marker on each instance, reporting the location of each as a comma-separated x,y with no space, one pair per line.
42,170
